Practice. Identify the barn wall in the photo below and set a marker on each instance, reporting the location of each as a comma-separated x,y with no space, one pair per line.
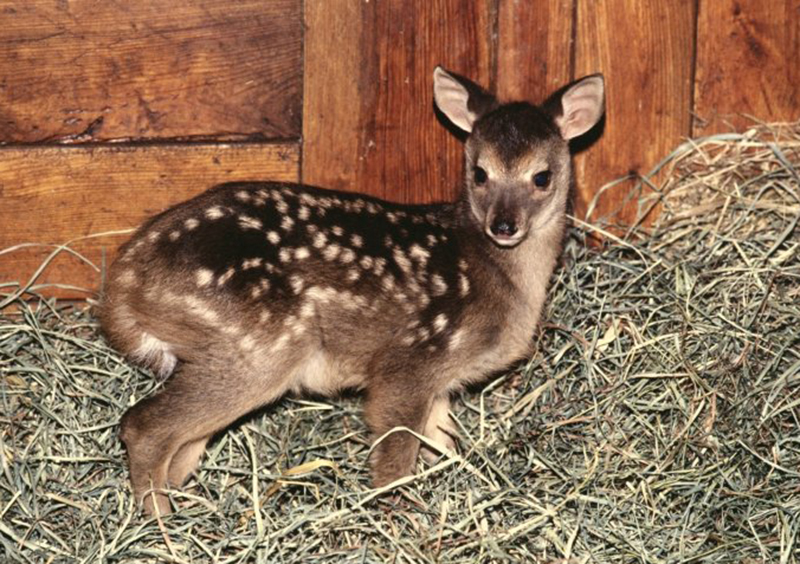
110,112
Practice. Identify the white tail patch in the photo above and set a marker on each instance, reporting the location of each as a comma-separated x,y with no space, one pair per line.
156,354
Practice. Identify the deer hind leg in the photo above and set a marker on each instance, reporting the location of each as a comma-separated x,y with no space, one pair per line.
166,434
439,428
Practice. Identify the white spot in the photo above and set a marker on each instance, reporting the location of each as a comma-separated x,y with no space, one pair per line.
380,264
337,230
203,276
323,295
247,222
273,237
419,253
264,316
463,285
287,223
423,333
191,224
401,259
307,310
257,291
387,282
173,235
285,254
431,240
242,196
366,262
439,323
408,340
347,256
214,212
392,217
282,206
247,343
353,274
155,353
201,309
438,285
311,228
456,339
302,253
462,265
388,242
373,208
279,343
127,277
303,213
297,283
331,252
320,240
226,276
251,263
357,240
153,236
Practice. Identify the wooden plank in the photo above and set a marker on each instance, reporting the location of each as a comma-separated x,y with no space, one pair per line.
51,195
89,71
747,63
370,124
645,50
535,49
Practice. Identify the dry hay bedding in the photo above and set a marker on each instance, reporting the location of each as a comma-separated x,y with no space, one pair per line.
657,421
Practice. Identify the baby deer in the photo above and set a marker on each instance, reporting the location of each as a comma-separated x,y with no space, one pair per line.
255,289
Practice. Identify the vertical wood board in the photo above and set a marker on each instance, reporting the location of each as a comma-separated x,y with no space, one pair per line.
747,63
645,50
388,140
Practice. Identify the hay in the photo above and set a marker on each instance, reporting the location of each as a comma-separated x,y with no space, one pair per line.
657,422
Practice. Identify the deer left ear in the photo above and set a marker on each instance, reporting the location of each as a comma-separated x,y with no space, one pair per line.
579,106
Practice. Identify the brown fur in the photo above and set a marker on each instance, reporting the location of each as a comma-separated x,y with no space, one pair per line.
253,290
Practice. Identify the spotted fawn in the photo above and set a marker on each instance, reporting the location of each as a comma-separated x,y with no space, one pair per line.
252,290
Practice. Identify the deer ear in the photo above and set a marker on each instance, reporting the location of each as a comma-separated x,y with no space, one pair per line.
462,101
579,106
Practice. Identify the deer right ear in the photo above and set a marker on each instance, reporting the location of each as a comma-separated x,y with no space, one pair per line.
461,100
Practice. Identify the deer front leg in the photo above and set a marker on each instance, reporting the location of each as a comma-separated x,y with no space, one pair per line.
439,428
394,403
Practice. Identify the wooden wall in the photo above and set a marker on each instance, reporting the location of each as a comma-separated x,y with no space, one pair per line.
112,111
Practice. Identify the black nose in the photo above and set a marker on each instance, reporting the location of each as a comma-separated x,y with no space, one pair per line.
504,227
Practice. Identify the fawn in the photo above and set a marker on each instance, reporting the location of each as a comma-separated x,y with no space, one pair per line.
255,289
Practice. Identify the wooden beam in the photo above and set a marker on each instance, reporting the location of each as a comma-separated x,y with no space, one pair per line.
91,71
51,195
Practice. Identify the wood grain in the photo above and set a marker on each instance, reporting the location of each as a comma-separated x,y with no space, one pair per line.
747,63
645,50
51,195
90,71
534,53
370,121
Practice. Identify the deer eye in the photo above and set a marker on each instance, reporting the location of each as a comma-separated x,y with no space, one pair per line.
542,179
480,175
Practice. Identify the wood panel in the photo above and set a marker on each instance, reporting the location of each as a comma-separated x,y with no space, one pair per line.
87,71
51,195
535,48
645,50
747,63
370,124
